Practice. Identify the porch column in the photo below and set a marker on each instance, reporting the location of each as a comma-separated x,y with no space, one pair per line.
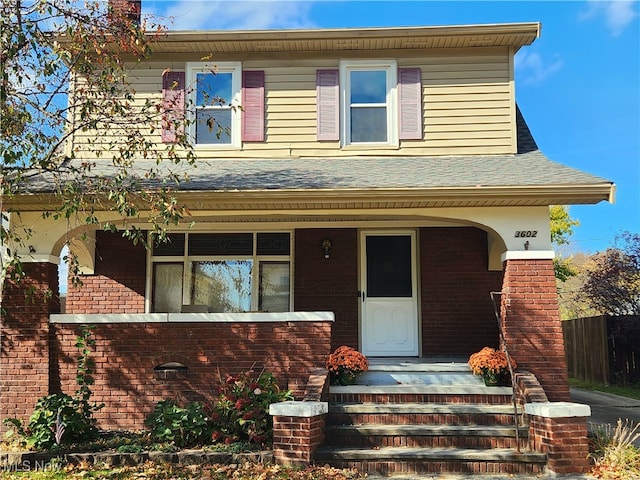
531,320
24,331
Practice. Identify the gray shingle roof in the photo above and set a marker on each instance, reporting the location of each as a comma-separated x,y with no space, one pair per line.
529,167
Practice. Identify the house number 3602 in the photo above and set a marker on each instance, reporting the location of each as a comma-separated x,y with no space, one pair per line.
526,233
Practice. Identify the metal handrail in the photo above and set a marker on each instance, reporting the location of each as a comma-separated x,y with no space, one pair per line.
514,385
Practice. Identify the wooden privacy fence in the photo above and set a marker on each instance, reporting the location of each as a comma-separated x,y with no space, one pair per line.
603,349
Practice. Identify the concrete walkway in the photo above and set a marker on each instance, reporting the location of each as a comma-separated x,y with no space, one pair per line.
606,408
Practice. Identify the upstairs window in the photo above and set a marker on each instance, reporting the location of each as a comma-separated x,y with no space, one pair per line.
214,95
369,112
369,102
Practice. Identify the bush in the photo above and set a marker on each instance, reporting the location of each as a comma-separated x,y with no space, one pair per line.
241,411
57,418
614,453
184,427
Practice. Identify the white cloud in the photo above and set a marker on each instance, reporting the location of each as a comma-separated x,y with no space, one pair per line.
617,14
532,68
237,15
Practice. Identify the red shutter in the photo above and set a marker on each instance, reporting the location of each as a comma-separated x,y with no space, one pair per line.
253,106
173,85
328,104
410,101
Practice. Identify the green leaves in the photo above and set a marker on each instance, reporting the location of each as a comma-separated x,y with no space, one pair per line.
183,427
241,411
70,120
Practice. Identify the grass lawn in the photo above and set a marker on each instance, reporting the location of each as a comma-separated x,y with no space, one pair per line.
628,391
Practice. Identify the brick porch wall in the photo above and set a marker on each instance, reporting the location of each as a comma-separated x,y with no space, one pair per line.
531,323
126,354
24,335
329,284
118,282
457,313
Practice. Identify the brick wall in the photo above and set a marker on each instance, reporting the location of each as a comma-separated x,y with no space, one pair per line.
118,282
329,284
24,337
531,324
126,354
457,313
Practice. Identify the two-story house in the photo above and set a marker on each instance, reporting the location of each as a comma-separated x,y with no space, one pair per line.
372,190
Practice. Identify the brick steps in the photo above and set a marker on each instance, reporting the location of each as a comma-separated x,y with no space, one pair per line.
472,436
425,418
391,460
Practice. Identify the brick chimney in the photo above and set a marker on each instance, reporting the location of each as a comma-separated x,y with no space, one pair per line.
120,10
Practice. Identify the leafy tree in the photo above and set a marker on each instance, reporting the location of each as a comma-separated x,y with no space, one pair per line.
612,285
571,303
57,137
561,230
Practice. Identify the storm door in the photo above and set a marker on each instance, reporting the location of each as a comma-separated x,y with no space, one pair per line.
389,294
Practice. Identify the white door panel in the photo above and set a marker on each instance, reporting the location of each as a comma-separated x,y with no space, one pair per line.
389,295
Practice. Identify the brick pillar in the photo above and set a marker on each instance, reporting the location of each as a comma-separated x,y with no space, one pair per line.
298,429
531,323
560,430
24,336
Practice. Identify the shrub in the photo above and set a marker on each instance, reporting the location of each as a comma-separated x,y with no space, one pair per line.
56,418
183,427
614,453
241,411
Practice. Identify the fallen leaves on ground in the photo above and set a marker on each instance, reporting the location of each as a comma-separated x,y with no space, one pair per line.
153,471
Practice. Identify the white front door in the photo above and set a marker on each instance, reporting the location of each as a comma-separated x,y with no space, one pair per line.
388,294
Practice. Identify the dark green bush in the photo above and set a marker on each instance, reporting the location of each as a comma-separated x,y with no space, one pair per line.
57,418
183,427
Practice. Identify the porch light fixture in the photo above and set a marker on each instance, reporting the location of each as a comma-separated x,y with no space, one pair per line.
326,247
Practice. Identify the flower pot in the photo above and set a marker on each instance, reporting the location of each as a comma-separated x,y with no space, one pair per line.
344,378
495,379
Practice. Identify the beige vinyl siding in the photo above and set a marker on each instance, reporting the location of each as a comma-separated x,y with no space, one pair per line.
146,80
468,106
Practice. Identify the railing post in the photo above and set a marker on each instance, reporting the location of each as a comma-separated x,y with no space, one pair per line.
298,429
559,429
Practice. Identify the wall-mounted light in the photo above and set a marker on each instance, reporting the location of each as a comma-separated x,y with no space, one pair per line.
326,247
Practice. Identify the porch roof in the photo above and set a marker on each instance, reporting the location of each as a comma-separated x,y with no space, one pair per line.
527,178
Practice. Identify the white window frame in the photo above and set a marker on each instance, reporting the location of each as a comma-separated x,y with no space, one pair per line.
235,68
187,261
391,69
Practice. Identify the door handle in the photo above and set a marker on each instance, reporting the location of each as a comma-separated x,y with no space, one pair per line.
364,296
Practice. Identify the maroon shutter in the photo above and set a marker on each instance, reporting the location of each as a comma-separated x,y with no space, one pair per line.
253,106
328,104
410,101
173,85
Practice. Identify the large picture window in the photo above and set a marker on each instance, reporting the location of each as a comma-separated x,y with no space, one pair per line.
222,272
214,94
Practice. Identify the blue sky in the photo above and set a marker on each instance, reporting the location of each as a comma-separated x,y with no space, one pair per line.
578,85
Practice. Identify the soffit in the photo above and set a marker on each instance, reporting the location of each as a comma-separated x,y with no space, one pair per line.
348,39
